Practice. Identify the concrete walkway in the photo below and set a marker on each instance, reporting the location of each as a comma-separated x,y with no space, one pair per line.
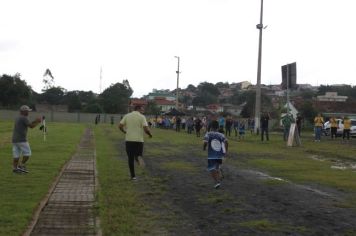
70,207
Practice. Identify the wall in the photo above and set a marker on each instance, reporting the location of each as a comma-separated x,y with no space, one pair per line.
8,115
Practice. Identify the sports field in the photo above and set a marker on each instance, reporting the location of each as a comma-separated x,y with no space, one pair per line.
20,194
268,189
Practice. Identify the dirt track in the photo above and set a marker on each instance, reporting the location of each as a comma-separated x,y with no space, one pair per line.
248,203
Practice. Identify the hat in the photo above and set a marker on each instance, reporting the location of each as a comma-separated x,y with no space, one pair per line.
25,108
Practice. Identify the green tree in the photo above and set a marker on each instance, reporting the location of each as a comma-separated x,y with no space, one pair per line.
93,108
87,97
204,99
53,96
72,99
307,94
209,88
185,100
152,108
346,90
115,99
14,91
222,85
308,111
250,98
191,88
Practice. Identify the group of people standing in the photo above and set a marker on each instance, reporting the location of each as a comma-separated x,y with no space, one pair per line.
197,125
334,126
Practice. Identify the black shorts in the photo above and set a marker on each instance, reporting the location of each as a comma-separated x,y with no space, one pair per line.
134,148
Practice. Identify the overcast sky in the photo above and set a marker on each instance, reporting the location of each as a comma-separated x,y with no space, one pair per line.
137,40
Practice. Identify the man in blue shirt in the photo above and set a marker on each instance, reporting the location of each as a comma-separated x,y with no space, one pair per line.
217,147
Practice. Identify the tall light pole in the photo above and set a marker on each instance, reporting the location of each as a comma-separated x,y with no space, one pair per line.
177,91
258,85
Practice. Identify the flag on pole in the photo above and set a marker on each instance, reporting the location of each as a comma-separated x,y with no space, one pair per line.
43,127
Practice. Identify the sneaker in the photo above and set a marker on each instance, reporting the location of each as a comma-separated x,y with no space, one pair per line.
133,178
216,186
23,169
141,162
17,171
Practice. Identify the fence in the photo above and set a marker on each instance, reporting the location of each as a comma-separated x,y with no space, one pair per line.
52,116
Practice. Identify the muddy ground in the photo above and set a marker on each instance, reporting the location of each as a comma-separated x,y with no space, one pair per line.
179,191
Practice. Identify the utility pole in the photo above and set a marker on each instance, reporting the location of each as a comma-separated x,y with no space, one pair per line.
177,91
101,78
258,85
288,89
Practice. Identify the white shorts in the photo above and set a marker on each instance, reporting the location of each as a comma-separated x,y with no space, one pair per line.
21,148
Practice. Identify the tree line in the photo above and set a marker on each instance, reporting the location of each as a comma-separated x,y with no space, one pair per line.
115,99
15,91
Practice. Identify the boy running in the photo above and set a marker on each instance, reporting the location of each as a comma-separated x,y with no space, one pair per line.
217,148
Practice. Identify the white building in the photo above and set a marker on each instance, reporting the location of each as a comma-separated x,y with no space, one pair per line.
331,97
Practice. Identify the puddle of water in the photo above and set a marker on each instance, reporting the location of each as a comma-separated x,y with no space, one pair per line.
316,158
308,188
344,167
266,176
337,164
339,167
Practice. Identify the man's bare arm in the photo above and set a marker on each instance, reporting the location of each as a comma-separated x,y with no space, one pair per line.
147,131
34,123
121,127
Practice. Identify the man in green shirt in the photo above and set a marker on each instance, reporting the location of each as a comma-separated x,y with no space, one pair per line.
287,120
133,125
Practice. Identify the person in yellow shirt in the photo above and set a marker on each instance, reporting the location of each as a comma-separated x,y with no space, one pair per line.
318,125
333,127
347,127
133,125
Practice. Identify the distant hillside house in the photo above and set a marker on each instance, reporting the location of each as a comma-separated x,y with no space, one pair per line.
245,85
187,93
135,102
164,104
225,92
331,97
166,94
233,109
215,108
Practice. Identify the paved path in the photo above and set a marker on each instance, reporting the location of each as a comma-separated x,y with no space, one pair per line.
69,209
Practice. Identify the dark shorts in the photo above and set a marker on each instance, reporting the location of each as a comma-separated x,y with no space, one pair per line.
134,148
214,164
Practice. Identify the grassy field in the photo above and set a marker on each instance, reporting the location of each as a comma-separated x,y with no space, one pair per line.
121,204
21,193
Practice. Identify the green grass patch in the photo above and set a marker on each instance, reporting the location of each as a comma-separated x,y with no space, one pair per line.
268,226
261,225
215,198
120,207
20,194
274,182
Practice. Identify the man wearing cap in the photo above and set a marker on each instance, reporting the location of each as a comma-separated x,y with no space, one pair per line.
20,145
